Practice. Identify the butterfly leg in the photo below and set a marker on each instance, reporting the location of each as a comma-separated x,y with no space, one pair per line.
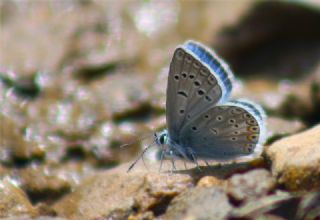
185,164
194,159
161,160
173,164
206,162
144,163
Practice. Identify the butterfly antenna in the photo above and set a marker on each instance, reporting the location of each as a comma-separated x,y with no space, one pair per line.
135,141
140,156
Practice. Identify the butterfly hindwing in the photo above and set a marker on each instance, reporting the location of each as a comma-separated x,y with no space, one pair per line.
198,80
229,131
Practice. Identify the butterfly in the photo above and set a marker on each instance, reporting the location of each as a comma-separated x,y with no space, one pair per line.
202,121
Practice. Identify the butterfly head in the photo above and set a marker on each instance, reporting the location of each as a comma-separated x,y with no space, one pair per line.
161,138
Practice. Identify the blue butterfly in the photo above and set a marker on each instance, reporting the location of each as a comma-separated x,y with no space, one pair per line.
202,121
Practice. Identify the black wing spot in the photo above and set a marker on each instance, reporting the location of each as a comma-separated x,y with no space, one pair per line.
176,77
236,111
183,93
204,72
219,118
233,138
252,137
208,98
251,122
232,121
184,74
188,59
206,116
194,128
214,131
200,92
191,76
196,65
212,80
253,128
181,111
197,83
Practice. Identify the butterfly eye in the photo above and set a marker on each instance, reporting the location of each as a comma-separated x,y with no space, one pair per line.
163,139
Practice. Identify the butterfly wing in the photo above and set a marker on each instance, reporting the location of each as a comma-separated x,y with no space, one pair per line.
230,131
198,79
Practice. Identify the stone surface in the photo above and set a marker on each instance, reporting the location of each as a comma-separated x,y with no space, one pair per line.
199,203
119,194
209,181
279,127
13,201
251,185
260,207
47,183
296,160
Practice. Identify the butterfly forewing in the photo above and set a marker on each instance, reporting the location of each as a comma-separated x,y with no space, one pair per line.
193,86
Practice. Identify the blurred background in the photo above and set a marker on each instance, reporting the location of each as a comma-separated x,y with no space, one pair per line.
78,79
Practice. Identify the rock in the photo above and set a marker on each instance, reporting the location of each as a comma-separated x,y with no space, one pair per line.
209,181
280,127
12,143
251,185
119,194
296,160
27,217
280,205
13,201
199,203
46,183
262,207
